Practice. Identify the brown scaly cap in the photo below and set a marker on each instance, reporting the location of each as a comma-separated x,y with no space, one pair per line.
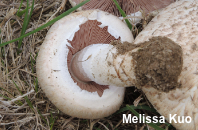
177,22
129,6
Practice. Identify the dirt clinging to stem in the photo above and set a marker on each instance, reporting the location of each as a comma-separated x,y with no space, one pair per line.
158,62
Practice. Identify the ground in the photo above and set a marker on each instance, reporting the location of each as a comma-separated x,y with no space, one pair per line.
23,105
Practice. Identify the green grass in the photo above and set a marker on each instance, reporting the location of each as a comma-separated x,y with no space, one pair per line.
123,14
140,107
17,102
30,104
36,85
2,49
19,14
6,97
26,98
0,37
51,121
25,23
33,62
41,116
6,91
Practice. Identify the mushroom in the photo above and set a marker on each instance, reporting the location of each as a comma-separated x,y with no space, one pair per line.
130,7
55,66
177,22
84,76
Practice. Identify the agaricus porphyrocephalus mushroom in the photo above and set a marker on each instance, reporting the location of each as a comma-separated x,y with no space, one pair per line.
178,22
64,39
84,76
130,7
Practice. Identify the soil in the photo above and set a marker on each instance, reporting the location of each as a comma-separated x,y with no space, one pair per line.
159,63
123,47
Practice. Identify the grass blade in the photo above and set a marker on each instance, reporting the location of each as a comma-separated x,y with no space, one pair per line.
36,85
17,102
123,14
31,11
26,98
25,23
141,107
17,87
28,102
51,121
6,91
47,24
41,115
5,97
0,36
19,8
32,64
22,12
24,27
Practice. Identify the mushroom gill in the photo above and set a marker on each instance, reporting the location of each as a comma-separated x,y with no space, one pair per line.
89,33
129,6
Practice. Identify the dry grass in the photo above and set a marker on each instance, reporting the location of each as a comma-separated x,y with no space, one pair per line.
30,108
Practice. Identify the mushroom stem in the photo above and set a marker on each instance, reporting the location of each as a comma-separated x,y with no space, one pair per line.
103,64
126,64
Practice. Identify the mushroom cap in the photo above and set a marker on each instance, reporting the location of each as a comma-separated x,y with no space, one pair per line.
129,6
52,69
178,22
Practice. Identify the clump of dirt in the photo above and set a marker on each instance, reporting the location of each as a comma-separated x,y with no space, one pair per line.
123,47
159,63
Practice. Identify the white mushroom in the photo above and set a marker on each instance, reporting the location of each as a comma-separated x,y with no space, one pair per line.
65,38
178,22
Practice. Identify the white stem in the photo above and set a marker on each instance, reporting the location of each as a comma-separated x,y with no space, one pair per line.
102,64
